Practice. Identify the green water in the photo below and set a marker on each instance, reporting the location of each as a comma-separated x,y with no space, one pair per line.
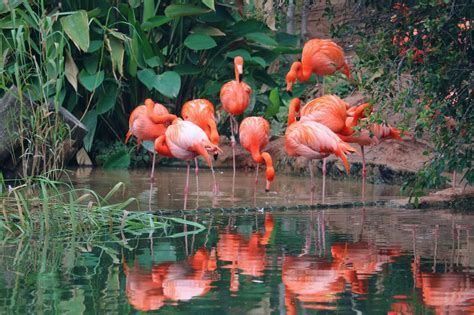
343,261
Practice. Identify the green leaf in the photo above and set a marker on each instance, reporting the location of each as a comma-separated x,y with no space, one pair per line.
249,26
199,42
94,46
168,83
258,60
210,4
116,50
77,28
239,52
90,121
187,69
178,10
107,99
275,103
208,30
155,21
71,71
118,159
285,39
147,77
149,146
91,81
155,61
134,3
261,38
148,9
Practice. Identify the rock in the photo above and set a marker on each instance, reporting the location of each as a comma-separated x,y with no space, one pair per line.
10,162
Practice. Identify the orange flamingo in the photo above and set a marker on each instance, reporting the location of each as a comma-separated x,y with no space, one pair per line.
185,140
201,113
148,122
235,98
313,140
320,56
254,136
372,135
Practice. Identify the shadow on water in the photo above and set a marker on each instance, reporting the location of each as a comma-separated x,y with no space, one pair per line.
369,260
167,190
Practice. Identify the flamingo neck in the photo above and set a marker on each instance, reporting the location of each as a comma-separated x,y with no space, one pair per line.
161,147
302,73
214,136
293,111
270,171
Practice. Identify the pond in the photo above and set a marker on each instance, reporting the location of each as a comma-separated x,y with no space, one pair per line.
345,261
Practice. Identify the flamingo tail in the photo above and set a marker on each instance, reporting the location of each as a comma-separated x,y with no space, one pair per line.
395,134
341,151
127,136
359,113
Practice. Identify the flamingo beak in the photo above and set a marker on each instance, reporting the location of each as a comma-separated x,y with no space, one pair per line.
267,187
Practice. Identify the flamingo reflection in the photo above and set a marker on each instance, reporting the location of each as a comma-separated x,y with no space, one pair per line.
170,281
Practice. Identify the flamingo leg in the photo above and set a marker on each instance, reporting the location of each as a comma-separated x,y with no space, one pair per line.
312,185
215,189
324,179
453,179
152,176
364,172
232,142
196,171
186,187
256,174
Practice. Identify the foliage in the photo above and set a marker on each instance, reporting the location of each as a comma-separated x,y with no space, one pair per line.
417,60
114,55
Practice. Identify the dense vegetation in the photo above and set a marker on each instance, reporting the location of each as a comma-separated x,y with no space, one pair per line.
100,60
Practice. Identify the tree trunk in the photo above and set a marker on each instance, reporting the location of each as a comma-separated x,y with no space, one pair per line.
290,18
304,19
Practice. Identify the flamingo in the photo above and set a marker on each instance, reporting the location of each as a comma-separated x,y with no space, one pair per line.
331,111
372,135
148,122
201,113
185,140
254,136
320,56
235,98
313,140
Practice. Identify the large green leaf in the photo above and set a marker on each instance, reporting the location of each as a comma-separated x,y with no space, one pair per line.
90,121
168,83
91,81
177,10
155,21
118,159
239,52
208,30
275,103
71,71
210,4
200,42
77,28
107,99
116,50
261,38
249,26
148,9
187,69
147,77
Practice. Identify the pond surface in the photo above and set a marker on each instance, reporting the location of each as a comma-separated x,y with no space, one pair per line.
345,261
167,189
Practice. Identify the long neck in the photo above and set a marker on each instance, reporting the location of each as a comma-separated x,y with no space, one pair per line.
214,136
293,111
161,147
264,157
236,71
303,73
161,119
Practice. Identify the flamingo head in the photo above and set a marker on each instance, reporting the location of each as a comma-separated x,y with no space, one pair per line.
270,174
149,102
293,111
291,76
239,68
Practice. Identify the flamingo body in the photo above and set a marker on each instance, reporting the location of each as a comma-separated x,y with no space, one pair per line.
254,136
235,97
201,112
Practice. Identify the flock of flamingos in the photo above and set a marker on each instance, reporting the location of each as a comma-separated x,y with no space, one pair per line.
324,126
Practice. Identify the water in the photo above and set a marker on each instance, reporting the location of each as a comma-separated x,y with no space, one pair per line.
167,190
344,261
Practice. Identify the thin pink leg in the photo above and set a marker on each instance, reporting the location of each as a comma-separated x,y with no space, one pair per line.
324,180
232,142
186,188
152,176
256,174
196,171
312,185
215,189
364,172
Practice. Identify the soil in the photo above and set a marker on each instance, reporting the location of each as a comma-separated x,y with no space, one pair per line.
458,197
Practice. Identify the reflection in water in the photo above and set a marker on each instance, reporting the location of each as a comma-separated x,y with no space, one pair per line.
179,281
371,261
167,192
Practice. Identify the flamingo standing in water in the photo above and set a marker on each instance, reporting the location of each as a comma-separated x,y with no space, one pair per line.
313,140
254,136
148,122
235,98
320,56
372,135
201,113
185,140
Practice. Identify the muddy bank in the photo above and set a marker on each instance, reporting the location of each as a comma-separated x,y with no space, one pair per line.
456,198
